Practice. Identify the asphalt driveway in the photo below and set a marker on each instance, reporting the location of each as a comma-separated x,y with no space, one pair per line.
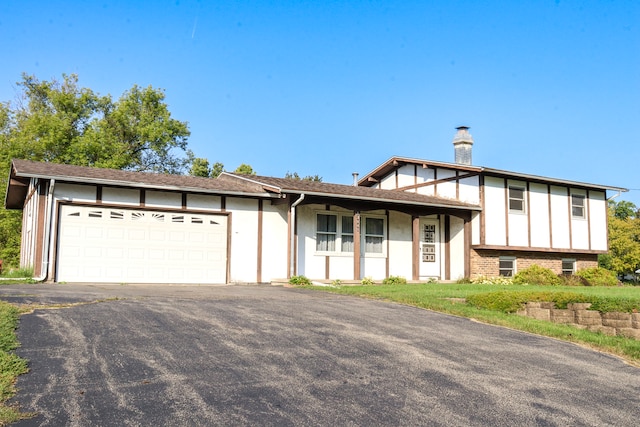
261,355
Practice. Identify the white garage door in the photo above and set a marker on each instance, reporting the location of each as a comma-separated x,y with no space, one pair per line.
99,244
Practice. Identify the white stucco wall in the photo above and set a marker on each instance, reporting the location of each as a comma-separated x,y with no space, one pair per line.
539,215
121,196
580,226
163,199
400,245
469,189
274,241
406,176
446,189
495,208
560,217
74,192
203,202
518,221
598,221
425,175
456,248
244,239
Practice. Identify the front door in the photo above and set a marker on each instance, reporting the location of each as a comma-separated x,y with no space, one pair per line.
429,249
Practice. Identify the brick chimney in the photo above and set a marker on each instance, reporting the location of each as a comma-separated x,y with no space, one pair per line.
462,143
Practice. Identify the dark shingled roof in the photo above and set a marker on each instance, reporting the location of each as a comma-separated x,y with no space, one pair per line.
285,185
227,183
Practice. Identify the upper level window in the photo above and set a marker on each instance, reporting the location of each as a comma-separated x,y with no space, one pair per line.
507,266
577,206
516,199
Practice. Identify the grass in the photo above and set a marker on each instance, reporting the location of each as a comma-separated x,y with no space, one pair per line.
10,364
14,276
442,298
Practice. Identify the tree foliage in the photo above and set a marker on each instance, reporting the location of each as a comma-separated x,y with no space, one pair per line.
201,167
624,239
294,175
61,122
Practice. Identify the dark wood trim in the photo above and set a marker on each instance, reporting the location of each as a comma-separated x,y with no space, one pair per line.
223,203
588,208
356,245
259,249
40,245
457,185
415,178
143,197
506,212
447,247
467,249
570,218
388,245
528,210
184,201
99,194
415,247
229,240
550,215
483,220
327,266
435,181
396,173
289,240
535,249
147,208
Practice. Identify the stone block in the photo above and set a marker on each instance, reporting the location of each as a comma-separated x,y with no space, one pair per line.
616,320
539,313
533,305
635,320
578,305
549,305
588,317
629,333
562,316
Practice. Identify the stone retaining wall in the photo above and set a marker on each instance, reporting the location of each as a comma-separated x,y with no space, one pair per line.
579,315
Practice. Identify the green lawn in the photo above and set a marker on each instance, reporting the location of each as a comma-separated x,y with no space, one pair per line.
436,296
10,364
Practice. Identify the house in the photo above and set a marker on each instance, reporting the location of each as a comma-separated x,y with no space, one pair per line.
408,217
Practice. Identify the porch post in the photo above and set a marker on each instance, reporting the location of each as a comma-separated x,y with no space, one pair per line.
415,253
356,245
467,248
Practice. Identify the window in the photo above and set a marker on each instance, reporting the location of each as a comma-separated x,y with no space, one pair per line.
326,233
516,199
373,235
507,266
347,234
577,206
335,233
568,266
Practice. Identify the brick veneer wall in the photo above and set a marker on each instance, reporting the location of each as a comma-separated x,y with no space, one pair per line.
487,262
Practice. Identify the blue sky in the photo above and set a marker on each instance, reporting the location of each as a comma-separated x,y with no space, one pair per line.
330,87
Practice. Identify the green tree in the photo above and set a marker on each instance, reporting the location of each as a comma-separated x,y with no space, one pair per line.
216,169
245,169
61,122
624,239
295,176
200,167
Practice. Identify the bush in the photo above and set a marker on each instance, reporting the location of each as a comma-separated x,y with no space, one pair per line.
500,280
300,281
597,276
510,301
572,280
394,280
536,275
367,281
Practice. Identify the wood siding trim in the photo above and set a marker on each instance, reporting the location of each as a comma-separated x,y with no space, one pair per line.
40,244
259,251
457,185
447,247
570,218
184,201
415,247
588,208
223,203
483,220
356,245
327,267
506,212
536,249
99,194
386,267
528,209
467,248
143,196
550,215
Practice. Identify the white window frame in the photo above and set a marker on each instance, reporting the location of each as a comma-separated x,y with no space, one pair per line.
338,243
523,200
573,266
583,207
513,270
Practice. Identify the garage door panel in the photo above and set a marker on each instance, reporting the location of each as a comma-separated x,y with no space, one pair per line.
113,245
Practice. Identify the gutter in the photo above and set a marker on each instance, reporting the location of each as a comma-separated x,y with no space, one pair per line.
47,234
292,243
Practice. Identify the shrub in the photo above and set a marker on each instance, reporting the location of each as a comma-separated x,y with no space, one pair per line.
572,280
510,301
597,276
536,275
464,281
300,281
394,280
337,282
367,281
485,280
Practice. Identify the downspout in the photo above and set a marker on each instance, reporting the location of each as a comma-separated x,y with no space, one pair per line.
47,234
292,243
